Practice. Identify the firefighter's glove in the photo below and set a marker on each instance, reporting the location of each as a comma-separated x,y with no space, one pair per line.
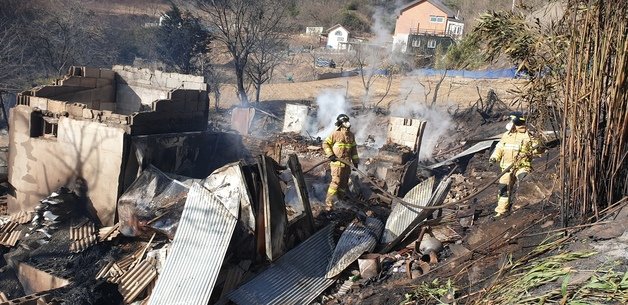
492,161
355,164
521,176
333,158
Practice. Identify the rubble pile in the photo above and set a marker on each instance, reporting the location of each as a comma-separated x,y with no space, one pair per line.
226,218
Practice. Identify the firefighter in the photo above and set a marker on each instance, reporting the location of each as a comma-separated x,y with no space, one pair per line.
515,146
340,145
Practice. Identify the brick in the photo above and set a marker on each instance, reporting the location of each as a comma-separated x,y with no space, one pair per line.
174,83
102,82
194,85
88,82
56,106
107,74
91,72
107,106
95,105
190,106
88,113
39,102
192,96
168,106
71,81
76,109
396,121
177,95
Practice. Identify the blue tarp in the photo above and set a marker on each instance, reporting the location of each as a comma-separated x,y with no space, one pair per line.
480,74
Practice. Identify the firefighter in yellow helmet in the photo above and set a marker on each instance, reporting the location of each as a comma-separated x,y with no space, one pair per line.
340,145
516,145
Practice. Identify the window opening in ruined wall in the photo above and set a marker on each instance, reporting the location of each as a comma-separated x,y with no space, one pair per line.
43,126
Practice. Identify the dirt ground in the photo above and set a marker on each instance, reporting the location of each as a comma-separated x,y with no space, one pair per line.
454,92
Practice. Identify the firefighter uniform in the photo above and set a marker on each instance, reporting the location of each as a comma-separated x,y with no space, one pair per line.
515,145
341,144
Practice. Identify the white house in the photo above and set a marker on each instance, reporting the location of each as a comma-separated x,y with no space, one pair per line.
337,37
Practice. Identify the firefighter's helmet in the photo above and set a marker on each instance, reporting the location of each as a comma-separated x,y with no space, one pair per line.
341,119
518,118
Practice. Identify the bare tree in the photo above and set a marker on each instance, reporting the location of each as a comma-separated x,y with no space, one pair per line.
63,34
268,54
369,60
11,58
240,25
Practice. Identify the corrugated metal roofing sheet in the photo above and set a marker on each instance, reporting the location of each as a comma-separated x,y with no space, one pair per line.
82,244
83,236
297,277
84,231
441,191
197,252
401,216
478,147
355,240
133,282
9,227
108,233
10,239
126,262
21,217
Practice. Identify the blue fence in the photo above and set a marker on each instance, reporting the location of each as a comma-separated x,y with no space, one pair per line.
481,74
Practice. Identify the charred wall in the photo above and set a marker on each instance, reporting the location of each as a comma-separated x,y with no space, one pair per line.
39,164
83,124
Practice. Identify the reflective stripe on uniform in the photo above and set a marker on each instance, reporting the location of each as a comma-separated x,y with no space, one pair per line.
337,164
333,191
512,146
344,145
355,157
329,141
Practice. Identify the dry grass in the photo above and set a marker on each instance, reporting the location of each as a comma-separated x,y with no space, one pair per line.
454,91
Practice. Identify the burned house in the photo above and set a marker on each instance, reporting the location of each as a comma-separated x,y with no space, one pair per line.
102,126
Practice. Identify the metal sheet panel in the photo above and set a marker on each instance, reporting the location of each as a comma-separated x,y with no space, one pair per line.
273,208
297,277
241,119
478,147
197,253
401,216
355,240
229,185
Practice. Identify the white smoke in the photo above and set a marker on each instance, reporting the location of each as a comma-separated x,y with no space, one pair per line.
367,128
439,122
370,129
329,104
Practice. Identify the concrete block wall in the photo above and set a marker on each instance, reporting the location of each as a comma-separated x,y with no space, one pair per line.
89,86
88,149
295,118
406,132
137,87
